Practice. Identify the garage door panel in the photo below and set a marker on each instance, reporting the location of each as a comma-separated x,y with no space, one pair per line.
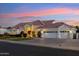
49,35
64,35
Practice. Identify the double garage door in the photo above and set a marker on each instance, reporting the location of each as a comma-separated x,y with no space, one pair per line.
54,34
49,34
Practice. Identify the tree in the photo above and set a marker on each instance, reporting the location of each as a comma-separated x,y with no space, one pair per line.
8,27
0,26
77,27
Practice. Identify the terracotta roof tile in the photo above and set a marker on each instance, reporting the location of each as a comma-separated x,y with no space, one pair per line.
48,22
37,22
54,25
42,24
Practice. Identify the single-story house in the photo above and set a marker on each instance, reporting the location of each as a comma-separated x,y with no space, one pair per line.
13,31
48,29
2,30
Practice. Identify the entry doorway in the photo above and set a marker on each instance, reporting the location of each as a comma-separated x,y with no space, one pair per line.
39,34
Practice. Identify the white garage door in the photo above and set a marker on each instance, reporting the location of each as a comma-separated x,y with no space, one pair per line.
54,34
49,34
64,34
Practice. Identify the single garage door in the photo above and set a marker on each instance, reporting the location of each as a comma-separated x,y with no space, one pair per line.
49,34
64,34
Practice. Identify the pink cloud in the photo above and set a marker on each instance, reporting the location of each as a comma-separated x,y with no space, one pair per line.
73,22
76,12
55,11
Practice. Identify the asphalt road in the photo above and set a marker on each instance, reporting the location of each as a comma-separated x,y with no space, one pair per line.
10,49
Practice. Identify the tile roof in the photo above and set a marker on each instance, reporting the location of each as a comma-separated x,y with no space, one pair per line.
37,22
54,25
42,24
48,22
21,25
3,27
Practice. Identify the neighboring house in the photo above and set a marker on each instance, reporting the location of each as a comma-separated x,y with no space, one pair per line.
13,31
2,30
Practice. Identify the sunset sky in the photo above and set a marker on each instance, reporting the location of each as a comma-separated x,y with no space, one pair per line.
11,14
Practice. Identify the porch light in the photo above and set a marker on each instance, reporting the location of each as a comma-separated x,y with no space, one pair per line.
44,30
70,31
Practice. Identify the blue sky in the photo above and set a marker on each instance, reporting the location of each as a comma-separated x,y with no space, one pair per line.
9,12
11,7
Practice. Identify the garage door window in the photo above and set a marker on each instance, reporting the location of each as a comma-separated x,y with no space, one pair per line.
64,31
50,31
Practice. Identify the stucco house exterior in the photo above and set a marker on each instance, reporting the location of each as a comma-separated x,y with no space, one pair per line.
13,31
48,29
57,30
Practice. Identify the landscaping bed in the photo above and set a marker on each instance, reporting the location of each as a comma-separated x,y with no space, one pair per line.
13,38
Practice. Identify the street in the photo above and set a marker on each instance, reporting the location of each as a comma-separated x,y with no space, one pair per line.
14,49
